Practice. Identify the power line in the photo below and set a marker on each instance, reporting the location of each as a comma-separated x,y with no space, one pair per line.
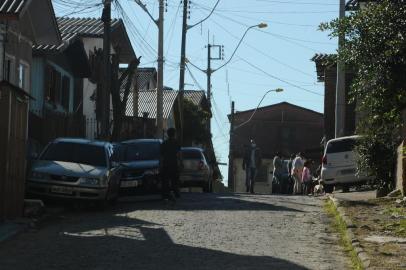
279,79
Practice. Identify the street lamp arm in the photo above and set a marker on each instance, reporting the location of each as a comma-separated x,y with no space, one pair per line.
144,7
259,104
193,25
238,45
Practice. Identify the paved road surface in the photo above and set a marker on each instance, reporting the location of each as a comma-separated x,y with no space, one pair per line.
203,231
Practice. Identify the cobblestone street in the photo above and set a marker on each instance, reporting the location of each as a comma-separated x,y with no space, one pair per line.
202,231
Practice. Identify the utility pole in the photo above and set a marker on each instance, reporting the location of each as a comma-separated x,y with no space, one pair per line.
159,114
231,182
209,71
182,68
340,87
105,103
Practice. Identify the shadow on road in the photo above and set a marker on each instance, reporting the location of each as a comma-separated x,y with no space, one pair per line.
205,201
120,242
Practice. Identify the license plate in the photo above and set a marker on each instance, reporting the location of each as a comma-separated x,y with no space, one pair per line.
61,190
349,171
129,183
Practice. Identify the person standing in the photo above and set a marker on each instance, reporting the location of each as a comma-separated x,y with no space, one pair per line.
170,161
297,168
290,176
251,162
306,177
277,172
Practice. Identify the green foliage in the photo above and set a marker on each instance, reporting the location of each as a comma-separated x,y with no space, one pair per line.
375,49
195,123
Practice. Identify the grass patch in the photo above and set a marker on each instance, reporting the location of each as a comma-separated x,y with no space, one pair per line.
340,227
397,227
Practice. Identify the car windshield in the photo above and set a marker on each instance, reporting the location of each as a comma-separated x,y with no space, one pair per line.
77,153
142,151
346,145
191,154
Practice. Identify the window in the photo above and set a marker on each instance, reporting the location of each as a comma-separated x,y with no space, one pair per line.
23,76
76,153
341,146
57,87
142,151
9,69
65,93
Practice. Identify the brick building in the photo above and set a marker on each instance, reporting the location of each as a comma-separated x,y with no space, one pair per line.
280,127
326,68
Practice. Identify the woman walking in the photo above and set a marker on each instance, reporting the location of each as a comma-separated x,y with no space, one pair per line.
297,168
306,178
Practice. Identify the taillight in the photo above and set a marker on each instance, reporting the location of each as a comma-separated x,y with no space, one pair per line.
201,165
324,160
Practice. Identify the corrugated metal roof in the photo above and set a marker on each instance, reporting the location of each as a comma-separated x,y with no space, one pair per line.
147,103
67,39
84,26
322,61
12,7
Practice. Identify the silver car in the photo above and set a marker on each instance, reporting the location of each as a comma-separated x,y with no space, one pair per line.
77,169
195,172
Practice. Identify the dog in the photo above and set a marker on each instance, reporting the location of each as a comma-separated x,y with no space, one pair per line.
318,189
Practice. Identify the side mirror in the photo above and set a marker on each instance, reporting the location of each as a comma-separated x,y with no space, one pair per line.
34,156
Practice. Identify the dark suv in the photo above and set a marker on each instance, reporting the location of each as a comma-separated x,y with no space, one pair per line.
139,161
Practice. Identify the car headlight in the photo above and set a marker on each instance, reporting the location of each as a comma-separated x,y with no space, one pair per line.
39,175
152,172
89,181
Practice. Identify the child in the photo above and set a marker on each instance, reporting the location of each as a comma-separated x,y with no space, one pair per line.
306,177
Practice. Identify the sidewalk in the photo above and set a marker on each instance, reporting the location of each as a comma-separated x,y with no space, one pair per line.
379,225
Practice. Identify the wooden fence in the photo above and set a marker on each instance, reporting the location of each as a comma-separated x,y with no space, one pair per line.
47,126
13,133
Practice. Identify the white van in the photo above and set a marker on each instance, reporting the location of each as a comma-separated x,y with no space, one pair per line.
339,166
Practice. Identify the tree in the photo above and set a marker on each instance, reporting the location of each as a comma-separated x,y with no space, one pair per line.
119,98
195,123
375,49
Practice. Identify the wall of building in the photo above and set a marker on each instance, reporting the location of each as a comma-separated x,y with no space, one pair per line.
330,81
263,184
282,127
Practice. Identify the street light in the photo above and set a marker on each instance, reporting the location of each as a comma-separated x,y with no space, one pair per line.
277,90
260,25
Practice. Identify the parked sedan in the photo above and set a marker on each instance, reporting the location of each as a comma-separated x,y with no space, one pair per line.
76,169
196,171
139,160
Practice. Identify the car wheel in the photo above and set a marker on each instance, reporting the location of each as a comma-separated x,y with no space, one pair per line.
346,188
206,187
329,188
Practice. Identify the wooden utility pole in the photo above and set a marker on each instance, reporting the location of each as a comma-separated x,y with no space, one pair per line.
231,181
182,69
105,100
208,73
159,114
340,87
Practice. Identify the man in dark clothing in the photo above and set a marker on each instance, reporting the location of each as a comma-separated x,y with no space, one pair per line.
251,164
170,160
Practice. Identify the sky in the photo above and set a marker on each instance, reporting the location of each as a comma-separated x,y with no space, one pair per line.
274,57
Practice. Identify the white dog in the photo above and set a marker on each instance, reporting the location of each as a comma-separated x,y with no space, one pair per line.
318,189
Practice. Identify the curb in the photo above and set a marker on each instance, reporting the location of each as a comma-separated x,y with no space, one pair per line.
361,254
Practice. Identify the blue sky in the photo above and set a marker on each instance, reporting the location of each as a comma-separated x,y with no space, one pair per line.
275,57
